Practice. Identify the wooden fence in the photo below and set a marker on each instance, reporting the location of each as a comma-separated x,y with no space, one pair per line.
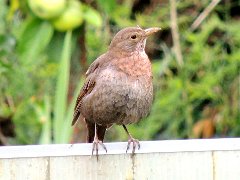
206,159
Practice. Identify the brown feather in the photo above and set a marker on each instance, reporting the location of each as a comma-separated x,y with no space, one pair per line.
87,88
122,83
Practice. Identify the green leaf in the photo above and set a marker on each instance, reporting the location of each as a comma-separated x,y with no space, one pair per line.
34,39
67,130
44,115
62,89
107,5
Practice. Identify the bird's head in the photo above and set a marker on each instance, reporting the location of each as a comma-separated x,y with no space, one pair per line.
131,39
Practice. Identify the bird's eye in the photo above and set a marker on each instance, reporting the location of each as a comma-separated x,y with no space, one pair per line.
133,37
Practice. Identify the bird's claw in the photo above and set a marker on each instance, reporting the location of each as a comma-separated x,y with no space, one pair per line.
135,143
95,146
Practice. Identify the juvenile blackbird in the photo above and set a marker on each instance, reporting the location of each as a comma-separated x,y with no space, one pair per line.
118,87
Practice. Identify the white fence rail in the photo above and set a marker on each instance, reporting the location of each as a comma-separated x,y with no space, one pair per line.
207,159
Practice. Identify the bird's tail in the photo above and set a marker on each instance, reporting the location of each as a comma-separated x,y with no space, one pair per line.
75,117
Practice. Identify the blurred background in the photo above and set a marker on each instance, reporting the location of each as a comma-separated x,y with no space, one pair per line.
46,47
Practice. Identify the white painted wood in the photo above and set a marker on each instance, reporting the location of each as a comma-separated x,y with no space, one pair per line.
108,167
227,165
24,169
174,166
53,150
209,159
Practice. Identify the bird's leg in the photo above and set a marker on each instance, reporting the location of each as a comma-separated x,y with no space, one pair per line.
96,141
131,140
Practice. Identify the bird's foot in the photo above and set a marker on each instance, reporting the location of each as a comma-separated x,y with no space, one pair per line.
96,142
135,143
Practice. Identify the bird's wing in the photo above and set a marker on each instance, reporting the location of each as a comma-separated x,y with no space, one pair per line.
86,89
88,86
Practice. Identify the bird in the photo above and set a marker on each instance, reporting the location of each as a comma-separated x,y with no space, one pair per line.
118,88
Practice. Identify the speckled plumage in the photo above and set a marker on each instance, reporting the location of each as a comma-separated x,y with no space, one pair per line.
118,87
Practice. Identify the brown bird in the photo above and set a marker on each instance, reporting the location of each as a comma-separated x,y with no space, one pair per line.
118,87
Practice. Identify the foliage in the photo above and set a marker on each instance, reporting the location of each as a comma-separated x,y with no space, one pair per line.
39,83
208,79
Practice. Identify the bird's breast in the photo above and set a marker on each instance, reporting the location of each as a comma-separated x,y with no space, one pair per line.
122,94
135,65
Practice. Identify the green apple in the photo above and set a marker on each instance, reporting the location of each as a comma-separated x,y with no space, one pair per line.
71,18
47,9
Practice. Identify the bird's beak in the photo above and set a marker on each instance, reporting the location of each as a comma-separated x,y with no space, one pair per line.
151,31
